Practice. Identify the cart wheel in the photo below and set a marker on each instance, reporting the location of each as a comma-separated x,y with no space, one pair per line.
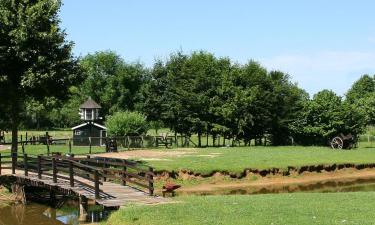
337,143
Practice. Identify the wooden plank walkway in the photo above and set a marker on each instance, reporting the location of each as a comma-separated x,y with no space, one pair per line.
111,194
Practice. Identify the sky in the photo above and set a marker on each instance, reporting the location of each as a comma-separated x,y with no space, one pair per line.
320,44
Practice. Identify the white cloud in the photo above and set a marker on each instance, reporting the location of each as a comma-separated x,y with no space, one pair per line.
324,70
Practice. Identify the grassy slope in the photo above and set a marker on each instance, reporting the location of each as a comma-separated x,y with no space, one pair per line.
288,209
238,158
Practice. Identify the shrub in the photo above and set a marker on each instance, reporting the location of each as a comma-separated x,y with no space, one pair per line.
126,123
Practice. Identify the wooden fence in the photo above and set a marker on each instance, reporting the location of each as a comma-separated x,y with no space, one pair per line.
92,171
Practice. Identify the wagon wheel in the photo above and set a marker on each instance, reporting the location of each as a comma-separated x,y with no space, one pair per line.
337,143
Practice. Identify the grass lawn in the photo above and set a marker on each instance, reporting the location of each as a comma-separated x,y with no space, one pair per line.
232,159
277,209
236,159
42,149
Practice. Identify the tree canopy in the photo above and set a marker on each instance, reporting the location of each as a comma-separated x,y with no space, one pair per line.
36,61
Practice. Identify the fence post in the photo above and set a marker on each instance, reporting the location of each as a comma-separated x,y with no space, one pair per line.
89,145
104,169
26,138
70,146
151,181
54,170
96,179
25,164
14,162
47,143
39,167
71,174
0,163
23,147
124,175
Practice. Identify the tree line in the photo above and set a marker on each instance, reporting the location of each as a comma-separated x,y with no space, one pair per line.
199,93
42,85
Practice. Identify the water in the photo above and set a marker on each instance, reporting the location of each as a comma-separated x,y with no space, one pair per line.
34,213
68,213
358,185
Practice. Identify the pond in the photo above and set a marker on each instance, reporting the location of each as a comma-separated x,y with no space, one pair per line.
34,213
68,213
356,185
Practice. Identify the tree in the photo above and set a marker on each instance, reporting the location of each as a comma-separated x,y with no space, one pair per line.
324,117
35,59
113,83
126,123
362,97
361,89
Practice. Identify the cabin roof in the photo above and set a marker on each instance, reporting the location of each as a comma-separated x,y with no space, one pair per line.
84,124
90,104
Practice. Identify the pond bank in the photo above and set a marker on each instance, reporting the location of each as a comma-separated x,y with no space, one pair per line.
292,181
320,182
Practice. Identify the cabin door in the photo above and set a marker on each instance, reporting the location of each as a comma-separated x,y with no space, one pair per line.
103,135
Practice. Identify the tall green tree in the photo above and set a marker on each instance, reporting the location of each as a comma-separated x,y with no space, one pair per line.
113,83
363,87
324,117
35,59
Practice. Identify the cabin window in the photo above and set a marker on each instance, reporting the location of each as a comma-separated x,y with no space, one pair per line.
77,132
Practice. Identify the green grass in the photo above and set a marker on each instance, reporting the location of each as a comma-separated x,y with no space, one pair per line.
278,209
54,133
42,149
236,159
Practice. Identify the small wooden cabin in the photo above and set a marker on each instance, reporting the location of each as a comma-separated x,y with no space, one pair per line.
91,129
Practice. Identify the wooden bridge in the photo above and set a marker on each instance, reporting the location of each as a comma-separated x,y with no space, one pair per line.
107,181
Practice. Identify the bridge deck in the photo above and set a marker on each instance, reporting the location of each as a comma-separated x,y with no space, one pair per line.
111,194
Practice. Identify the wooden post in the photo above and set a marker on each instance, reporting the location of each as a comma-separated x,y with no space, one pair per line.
21,139
25,164
151,181
104,170
70,146
47,143
96,179
54,170
71,174
40,167
26,139
124,175
89,145
14,162
23,147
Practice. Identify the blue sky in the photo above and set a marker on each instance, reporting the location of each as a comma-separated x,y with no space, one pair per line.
321,44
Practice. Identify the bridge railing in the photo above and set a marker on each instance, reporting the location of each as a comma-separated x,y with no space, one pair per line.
97,170
128,172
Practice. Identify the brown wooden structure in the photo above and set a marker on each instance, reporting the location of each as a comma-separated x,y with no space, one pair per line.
91,178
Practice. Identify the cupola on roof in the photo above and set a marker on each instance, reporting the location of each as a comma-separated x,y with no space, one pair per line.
90,104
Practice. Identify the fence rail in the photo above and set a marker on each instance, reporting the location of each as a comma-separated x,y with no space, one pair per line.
92,171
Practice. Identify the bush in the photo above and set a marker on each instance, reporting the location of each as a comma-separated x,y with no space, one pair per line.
126,123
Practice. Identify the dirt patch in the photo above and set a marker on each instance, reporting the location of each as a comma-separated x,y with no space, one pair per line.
147,154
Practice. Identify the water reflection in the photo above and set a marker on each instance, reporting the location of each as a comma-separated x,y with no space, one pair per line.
33,213
329,186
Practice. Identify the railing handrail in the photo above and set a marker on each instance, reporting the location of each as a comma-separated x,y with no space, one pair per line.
80,167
